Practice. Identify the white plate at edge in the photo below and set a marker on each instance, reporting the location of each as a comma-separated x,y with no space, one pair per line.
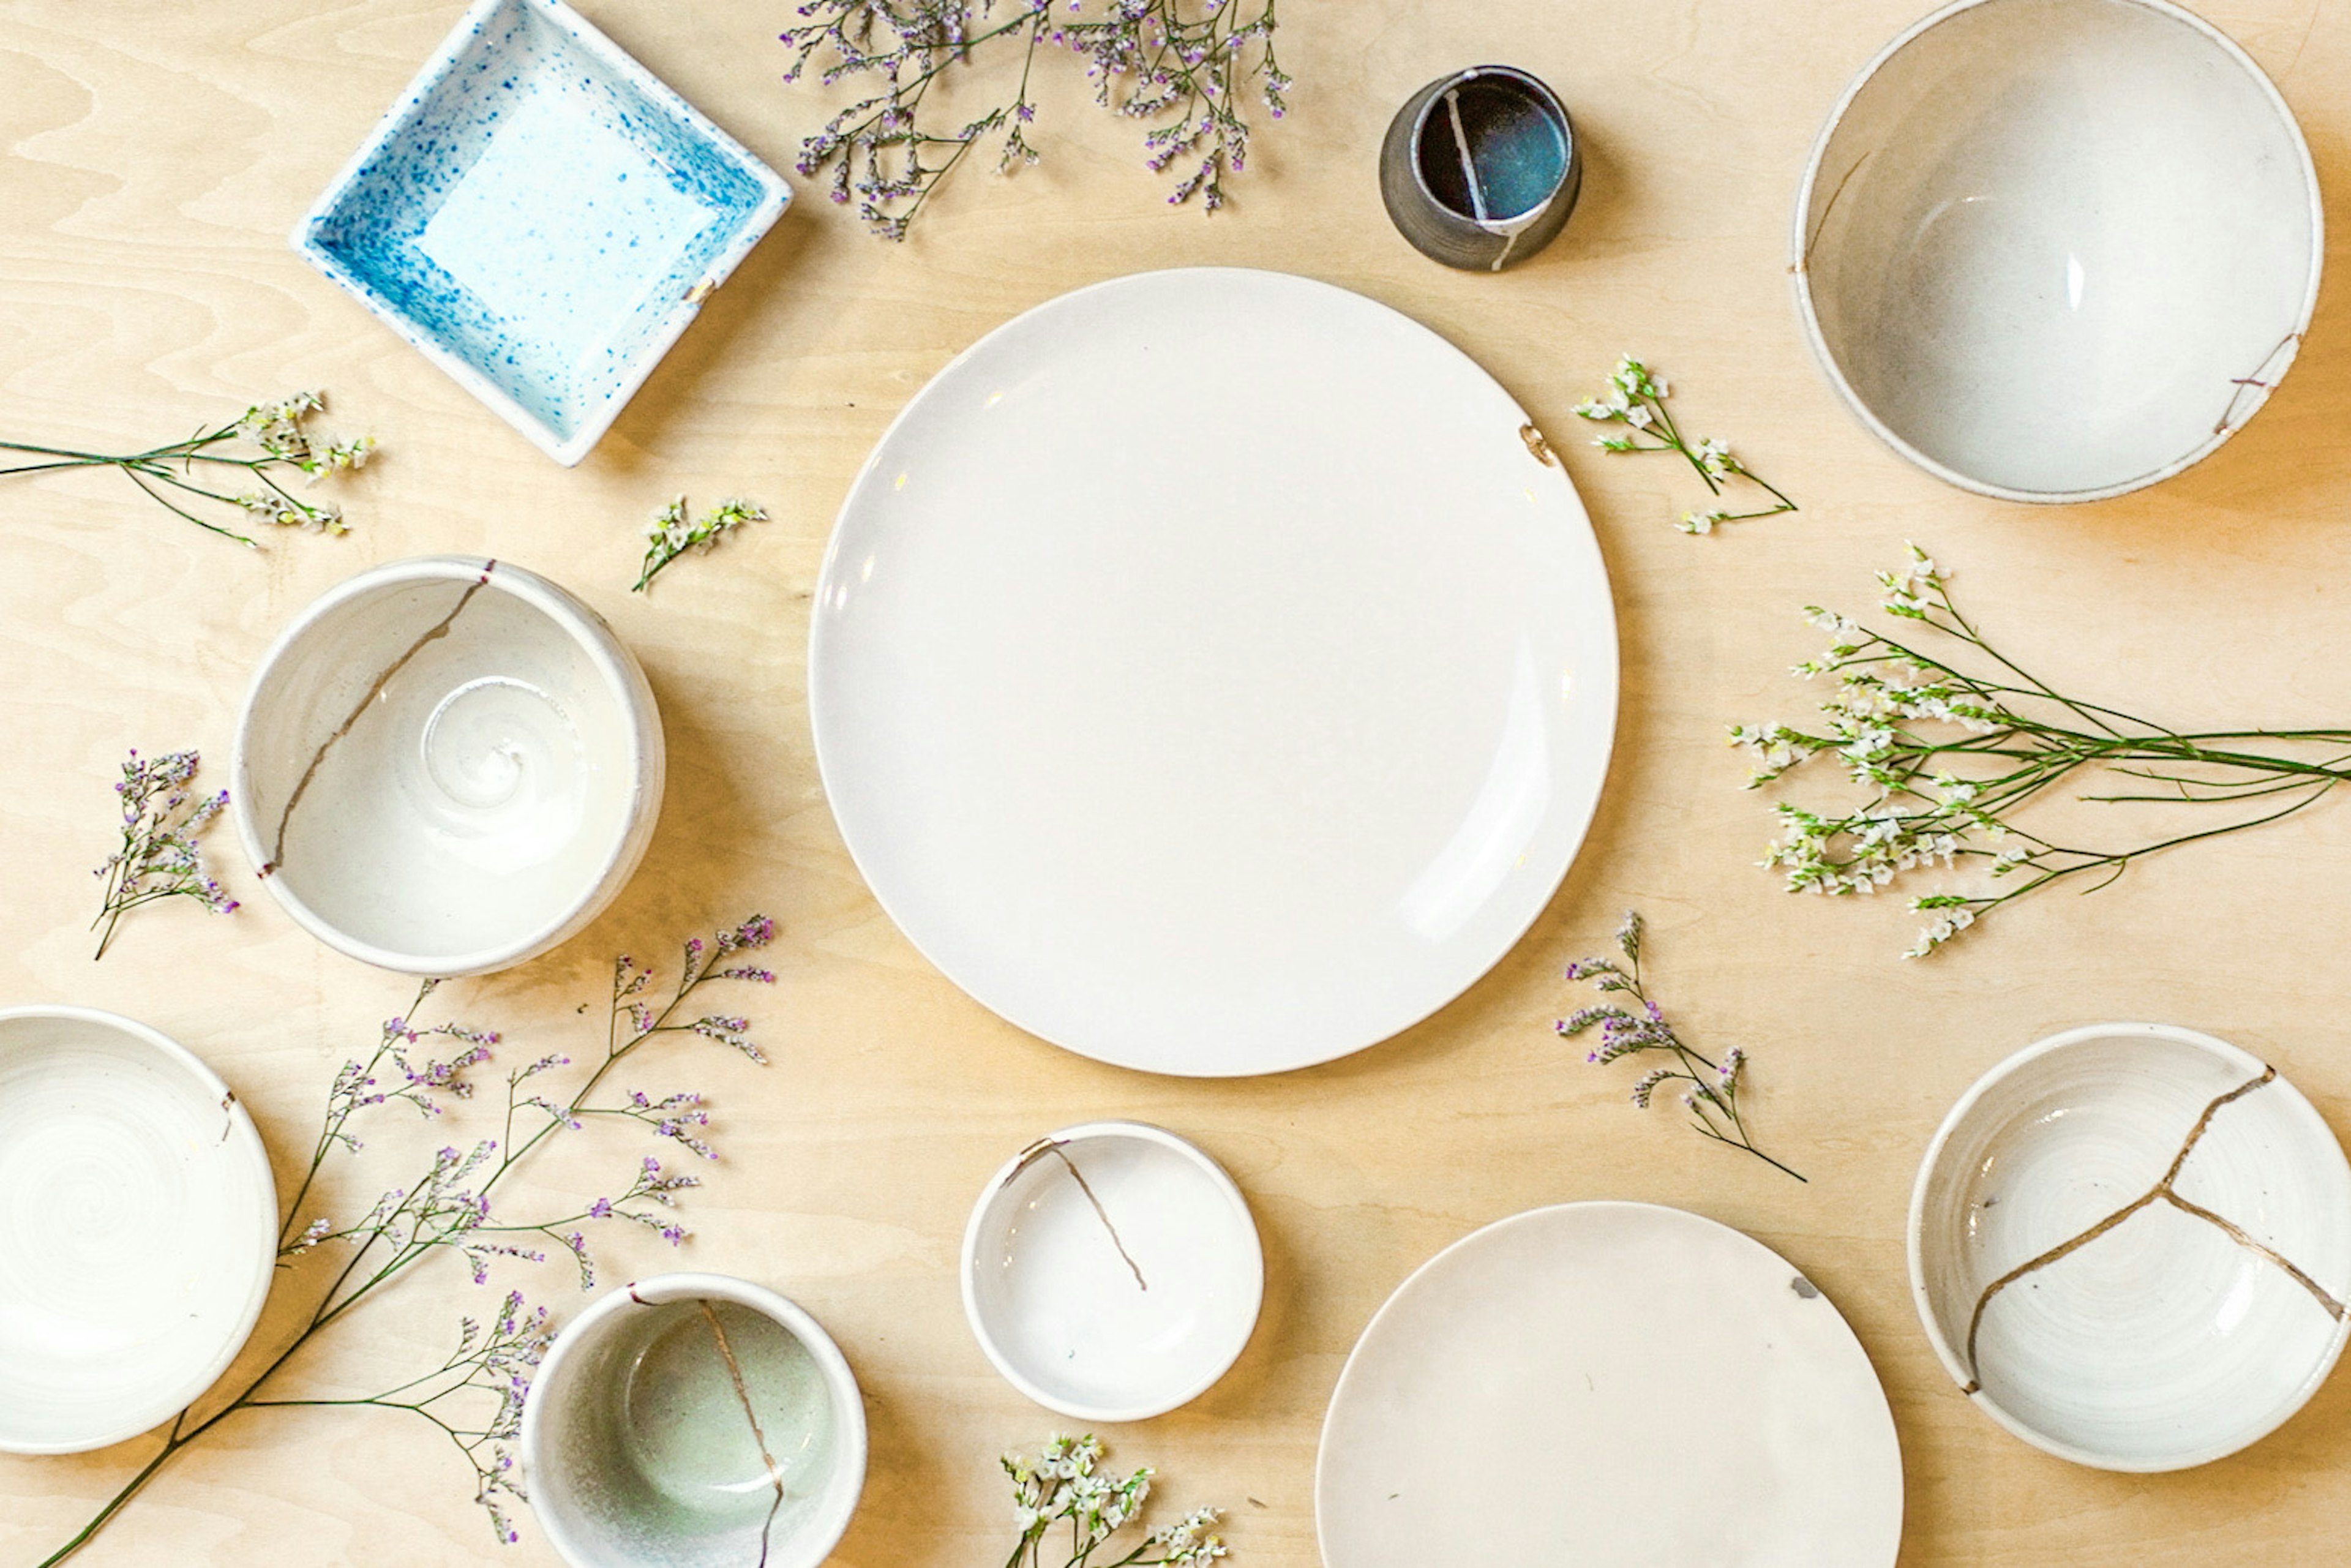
1209,674
1618,1384
138,1229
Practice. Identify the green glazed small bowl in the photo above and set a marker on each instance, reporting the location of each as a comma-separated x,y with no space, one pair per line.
695,1421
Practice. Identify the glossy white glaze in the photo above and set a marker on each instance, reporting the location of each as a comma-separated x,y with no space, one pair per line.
138,1229
446,766
1209,676
1610,1384
2163,1340
1112,1272
2055,250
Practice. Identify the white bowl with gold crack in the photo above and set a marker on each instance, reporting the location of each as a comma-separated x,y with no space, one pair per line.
2130,1244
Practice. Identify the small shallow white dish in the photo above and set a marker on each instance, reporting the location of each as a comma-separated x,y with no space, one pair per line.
446,765
138,1229
2070,1283
1614,1384
2056,250
541,218
1212,672
695,1421
1112,1272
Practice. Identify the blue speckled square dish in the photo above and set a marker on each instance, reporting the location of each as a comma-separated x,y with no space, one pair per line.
541,217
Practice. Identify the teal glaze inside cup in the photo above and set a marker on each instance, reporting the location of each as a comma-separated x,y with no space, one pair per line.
677,1425
1496,152
1479,170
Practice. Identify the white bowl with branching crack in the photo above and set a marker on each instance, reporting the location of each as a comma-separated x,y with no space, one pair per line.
2056,250
2130,1244
446,766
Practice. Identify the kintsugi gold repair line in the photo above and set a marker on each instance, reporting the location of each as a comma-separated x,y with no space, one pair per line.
743,1396
1043,1146
2162,1192
439,631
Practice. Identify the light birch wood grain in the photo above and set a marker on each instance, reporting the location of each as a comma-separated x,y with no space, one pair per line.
153,156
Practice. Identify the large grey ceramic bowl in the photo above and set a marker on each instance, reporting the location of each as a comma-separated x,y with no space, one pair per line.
2055,250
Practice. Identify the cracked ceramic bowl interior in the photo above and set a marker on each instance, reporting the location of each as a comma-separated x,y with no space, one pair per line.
2056,250
2131,1245
697,1421
138,1229
1112,1272
446,766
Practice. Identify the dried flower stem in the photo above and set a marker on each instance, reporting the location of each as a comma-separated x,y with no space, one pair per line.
274,428
1952,756
672,536
1060,1484
158,859
1712,1098
1635,399
1179,62
448,1209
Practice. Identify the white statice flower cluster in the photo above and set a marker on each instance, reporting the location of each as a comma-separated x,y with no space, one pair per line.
1891,725
1635,401
277,430
1189,1540
1951,758
672,533
1632,394
1063,1483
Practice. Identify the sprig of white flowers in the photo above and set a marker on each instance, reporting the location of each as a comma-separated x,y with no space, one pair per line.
1950,757
274,430
1635,399
671,534
1063,1484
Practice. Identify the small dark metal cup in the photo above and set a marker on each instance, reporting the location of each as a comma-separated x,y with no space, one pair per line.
1480,168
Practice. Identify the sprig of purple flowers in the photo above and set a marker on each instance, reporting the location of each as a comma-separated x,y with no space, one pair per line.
161,822
477,1395
1180,63
1712,1097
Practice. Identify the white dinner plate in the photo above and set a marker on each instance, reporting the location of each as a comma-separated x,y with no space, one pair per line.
138,1229
1611,1385
1212,672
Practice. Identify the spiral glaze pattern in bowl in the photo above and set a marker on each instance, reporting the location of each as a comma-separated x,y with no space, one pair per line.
2131,1244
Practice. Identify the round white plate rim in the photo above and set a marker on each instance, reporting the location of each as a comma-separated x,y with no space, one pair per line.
1148,1133
1914,1249
1349,1372
1608,680
248,1139
1800,271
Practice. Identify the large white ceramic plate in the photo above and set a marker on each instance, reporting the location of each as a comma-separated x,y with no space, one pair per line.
1611,1383
1212,673
138,1229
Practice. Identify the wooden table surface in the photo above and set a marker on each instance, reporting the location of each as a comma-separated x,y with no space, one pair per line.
156,155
